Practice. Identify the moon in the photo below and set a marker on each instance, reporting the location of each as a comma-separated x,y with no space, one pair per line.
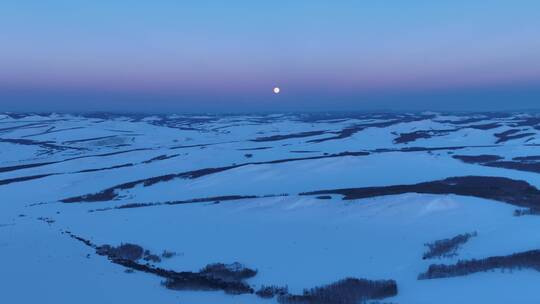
276,90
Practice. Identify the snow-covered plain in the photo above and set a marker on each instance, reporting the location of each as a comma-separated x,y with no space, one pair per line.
62,173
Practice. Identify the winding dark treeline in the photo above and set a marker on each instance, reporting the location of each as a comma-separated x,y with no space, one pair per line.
230,278
515,192
527,164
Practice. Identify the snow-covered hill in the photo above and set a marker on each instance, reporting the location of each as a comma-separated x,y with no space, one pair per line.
306,200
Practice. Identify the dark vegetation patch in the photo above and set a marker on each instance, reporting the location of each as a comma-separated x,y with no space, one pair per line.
150,257
344,133
510,135
526,163
134,117
428,149
27,166
412,136
167,254
120,131
521,166
26,126
88,139
186,122
350,131
324,197
446,247
405,138
517,136
527,121
161,157
329,117
202,282
52,130
191,201
32,177
463,121
515,192
228,272
523,260
23,179
108,154
131,252
47,145
337,116
288,136
268,292
475,159
227,277
526,211
47,220
106,168
487,126
126,251
531,158
37,204
254,149
192,146
347,291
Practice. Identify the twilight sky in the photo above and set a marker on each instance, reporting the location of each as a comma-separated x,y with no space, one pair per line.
202,55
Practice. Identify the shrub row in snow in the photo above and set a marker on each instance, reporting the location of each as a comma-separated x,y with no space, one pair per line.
230,278
528,259
446,247
347,291
526,211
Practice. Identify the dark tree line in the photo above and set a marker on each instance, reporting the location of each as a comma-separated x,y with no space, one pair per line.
528,259
268,292
231,278
502,189
346,291
526,211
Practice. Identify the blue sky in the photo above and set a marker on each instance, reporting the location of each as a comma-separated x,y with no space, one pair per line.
228,55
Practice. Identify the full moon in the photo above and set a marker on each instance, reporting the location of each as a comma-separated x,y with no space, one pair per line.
276,90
